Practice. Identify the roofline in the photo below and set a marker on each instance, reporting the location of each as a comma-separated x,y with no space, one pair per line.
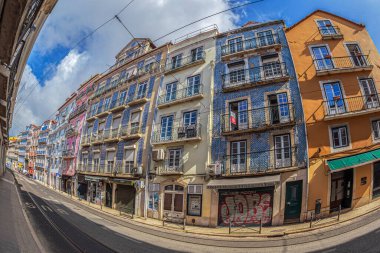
134,60
325,12
247,28
148,39
97,75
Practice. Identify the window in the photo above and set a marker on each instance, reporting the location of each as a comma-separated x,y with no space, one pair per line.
171,91
135,122
282,151
238,115
85,160
110,161
101,127
265,38
116,123
189,128
129,161
357,58
122,97
148,67
176,61
278,108
235,45
141,90
370,96
197,54
339,137
107,103
166,127
271,66
376,129
193,84
322,58
326,27
96,162
334,98
153,196
236,72
174,159
238,156
194,200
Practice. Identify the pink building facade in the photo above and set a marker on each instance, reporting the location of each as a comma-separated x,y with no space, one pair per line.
73,134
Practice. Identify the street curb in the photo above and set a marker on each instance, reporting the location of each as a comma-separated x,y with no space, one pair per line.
245,235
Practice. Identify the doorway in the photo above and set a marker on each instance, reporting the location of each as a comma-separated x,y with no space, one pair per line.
293,201
341,190
376,180
173,202
108,195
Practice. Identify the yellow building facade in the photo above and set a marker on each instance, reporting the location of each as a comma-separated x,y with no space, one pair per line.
337,65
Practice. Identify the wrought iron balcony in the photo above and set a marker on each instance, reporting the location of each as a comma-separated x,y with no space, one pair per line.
260,162
247,78
78,110
181,95
171,167
69,153
86,140
335,65
330,32
184,62
138,98
128,168
118,105
155,67
177,133
341,107
250,45
130,132
111,135
258,119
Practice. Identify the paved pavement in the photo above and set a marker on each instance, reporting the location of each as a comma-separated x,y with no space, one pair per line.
64,225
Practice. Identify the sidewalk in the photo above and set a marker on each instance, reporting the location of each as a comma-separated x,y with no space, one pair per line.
273,231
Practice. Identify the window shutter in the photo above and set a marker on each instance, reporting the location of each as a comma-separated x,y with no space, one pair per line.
110,155
129,155
135,117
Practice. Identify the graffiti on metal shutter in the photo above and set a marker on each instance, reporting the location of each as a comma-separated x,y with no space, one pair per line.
245,207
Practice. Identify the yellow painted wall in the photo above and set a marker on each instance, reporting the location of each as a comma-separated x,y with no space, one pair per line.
300,38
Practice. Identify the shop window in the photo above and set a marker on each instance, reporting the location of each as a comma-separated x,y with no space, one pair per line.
153,196
194,200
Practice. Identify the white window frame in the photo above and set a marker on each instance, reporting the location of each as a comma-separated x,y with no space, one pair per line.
375,140
349,146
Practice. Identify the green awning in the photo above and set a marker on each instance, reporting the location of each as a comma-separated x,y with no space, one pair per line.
354,160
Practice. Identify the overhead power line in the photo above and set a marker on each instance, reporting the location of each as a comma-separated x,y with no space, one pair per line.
209,16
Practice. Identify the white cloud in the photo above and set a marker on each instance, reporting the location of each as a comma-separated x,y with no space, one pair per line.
72,19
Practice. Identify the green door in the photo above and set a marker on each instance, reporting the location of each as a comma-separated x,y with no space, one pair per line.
293,200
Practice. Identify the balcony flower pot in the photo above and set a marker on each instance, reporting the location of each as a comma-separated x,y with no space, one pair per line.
327,56
328,25
336,98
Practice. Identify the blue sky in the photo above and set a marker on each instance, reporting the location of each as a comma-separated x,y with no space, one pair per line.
56,68
291,11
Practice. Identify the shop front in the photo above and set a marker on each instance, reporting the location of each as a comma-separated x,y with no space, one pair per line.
95,189
125,194
81,187
245,201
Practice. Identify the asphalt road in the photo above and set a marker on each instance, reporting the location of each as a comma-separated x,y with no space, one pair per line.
63,225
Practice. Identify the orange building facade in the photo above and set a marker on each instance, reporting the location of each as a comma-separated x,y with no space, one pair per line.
338,65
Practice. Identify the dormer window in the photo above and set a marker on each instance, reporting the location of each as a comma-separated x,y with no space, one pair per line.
326,27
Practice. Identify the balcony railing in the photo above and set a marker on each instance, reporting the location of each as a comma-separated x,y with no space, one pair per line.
42,140
177,133
353,105
128,167
127,132
184,61
118,104
243,78
68,153
330,32
153,69
330,64
250,44
258,119
110,134
181,94
171,167
78,111
137,98
259,162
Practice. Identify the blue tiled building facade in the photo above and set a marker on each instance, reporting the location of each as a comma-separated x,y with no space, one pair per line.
259,139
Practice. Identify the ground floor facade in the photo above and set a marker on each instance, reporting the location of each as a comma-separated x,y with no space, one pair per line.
124,195
333,188
272,199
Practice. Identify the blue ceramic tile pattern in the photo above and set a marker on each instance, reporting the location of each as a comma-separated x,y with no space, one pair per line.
257,142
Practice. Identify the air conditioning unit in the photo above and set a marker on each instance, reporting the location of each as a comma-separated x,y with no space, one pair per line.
215,169
158,155
138,170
